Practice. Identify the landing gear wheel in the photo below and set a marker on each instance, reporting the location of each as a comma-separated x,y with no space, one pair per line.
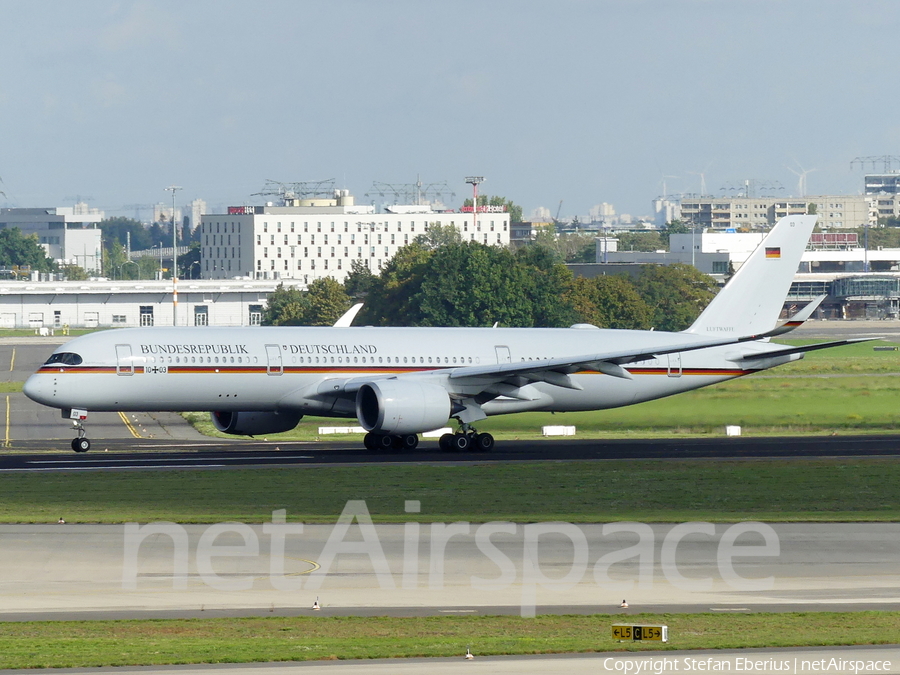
460,443
483,442
409,442
81,444
445,441
382,442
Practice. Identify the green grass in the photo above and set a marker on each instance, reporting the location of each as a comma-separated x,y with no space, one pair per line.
30,332
648,491
68,644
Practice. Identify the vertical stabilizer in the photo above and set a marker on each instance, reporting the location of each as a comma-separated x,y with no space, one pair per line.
752,300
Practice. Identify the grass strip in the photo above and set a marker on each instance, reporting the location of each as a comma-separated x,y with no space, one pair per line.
571,491
73,644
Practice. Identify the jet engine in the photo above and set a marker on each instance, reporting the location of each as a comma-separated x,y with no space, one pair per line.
401,407
254,423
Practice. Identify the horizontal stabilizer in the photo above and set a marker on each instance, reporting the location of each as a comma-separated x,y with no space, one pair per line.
795,321
802,349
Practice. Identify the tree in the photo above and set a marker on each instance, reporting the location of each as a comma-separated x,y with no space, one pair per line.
74,272
568,246
641,241
285,307
188,261
675,294
118,229
514,210
886,237
321,304
674,227
470,284
610,301
158,236
327,302
114,260
547,285
359,281
18,250
438,235
390,301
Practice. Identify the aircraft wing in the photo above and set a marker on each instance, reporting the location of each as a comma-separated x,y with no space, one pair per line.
554,371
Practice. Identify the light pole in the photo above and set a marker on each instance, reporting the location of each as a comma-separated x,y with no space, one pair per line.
191,268
129,262
172,189
474,181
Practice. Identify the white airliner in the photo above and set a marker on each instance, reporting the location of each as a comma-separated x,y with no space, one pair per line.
399,382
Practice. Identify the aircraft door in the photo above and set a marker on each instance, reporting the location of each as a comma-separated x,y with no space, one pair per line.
503,355
675,365
273,360
124,362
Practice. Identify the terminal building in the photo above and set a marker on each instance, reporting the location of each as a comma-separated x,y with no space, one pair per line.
315,238
129,304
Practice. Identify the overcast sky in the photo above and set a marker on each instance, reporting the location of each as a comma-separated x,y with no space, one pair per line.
579,101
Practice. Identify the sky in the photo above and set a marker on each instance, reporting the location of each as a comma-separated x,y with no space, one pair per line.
575,102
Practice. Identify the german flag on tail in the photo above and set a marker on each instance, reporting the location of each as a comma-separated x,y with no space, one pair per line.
773,251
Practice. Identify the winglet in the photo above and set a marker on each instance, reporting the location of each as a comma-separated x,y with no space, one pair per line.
348,316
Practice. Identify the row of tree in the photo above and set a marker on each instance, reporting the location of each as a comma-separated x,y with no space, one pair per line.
439,280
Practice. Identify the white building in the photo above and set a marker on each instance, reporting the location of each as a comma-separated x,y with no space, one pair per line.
69,235
127,304
738,245
322,237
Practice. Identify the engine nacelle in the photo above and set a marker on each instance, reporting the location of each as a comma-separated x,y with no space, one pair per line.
402,407
254,423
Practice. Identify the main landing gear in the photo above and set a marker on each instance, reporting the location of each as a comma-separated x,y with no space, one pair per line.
385,442
81,443
466,439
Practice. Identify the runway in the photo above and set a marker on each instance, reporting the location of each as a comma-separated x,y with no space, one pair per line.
205,453
409,569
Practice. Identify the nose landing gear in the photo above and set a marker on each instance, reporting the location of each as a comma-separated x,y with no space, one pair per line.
80,443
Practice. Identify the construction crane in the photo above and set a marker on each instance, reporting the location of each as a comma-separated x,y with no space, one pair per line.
887,162
558,209
288,192
137,209
412,193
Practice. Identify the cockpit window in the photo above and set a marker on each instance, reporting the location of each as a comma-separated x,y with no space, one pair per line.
65,358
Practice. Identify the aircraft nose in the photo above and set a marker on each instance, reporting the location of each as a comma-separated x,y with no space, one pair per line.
39,388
